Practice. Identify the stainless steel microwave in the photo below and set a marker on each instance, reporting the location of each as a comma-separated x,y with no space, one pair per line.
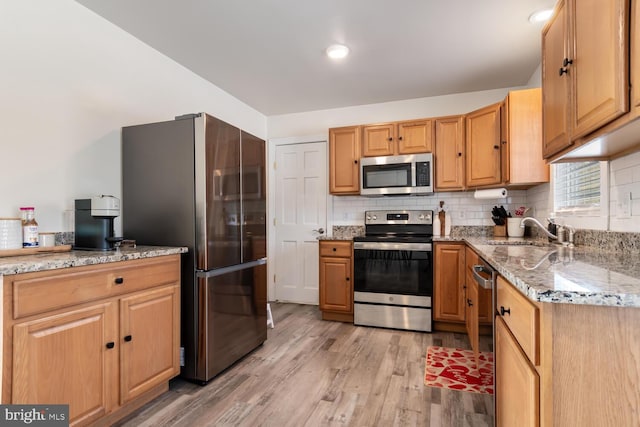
410,174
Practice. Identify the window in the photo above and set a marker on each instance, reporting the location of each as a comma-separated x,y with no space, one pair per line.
581,194
576,186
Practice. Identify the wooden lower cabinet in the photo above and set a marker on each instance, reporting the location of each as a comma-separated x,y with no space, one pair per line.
517,383
62,359
336,287
111,351
449,282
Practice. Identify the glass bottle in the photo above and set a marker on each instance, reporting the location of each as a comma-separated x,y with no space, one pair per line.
29,228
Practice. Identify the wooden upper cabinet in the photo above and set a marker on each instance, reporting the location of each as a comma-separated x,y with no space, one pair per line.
635,58
521,146
378,140
483,146
344,160
449,153
415,137
555,83
585,71
390,139
599,63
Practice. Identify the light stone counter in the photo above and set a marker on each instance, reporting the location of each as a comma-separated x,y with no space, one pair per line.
559,274
75,258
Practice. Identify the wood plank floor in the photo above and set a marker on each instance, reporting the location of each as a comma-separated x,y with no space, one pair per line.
312,372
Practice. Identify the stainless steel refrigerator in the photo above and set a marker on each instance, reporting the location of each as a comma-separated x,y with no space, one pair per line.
199,182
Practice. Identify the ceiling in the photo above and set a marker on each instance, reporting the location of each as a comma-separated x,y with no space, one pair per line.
270,53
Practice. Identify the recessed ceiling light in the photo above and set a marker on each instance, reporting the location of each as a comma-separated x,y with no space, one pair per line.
337,51
540,16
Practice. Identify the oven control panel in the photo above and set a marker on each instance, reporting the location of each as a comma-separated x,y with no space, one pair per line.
403,217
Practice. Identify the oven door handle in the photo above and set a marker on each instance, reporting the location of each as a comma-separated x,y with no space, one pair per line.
391,246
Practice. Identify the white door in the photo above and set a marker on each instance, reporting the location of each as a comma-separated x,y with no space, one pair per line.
300,211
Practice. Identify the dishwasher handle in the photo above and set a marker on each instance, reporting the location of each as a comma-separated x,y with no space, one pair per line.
485,283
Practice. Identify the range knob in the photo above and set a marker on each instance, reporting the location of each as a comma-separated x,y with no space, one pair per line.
421,217
375,217
368,217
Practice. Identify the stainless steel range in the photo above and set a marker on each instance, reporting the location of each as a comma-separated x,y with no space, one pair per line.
393,270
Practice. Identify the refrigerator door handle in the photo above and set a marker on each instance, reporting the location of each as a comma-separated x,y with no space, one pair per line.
230,269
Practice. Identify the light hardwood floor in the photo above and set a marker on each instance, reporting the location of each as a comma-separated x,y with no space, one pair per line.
312,372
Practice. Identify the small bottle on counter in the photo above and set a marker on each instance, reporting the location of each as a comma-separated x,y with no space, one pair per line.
436,225
29,228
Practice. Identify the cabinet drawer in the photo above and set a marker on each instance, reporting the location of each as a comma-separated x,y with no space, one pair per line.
521,316
40,292
335,248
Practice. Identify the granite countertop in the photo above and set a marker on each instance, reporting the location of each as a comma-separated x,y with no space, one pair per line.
76,258
560,274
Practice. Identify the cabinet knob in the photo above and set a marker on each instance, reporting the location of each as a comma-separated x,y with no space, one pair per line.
334,249
111,344
355,161
563,71
505,310
469,303
504,142
496,147
400,138
119,280
127,338
567,61
389,139
459,154
347,279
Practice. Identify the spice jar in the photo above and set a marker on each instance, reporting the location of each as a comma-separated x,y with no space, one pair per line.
29,228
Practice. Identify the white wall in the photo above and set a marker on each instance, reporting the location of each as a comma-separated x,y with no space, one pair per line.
318,122
69,80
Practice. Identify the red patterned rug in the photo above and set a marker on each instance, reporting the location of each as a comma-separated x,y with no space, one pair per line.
456,369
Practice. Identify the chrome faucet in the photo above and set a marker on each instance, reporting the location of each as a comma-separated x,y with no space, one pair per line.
542,227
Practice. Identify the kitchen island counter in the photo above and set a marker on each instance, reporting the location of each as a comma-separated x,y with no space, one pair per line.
76,258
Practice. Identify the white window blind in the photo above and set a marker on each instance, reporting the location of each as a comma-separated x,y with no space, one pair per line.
576,186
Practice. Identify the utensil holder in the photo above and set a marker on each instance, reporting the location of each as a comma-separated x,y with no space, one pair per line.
499,231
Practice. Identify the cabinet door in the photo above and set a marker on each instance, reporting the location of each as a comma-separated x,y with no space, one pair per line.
336,291
449,153
483,146
66,359
599,72
522,161
555,83
149,340
415,137
378,140
344,160
449,280
471,315
635,57
517,383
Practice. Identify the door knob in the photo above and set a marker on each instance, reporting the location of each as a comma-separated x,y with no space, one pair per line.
319,230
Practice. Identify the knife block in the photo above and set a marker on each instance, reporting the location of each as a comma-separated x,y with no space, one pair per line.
499,231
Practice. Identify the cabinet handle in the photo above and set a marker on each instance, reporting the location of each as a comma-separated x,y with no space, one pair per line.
127,338
119,280
567,61
563,71
111,344
505,310
496,147
469,303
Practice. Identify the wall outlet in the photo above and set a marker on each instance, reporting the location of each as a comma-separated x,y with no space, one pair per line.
624,205
461,214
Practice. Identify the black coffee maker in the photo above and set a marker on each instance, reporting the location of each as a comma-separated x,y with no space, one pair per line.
94,223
